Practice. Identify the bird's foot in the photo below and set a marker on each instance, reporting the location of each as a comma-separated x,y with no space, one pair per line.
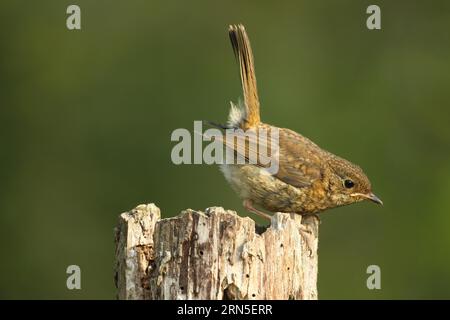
305,231
248,205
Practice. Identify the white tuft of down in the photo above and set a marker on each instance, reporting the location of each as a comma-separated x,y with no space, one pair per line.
237,115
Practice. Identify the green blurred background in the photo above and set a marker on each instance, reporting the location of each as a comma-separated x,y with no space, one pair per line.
86,118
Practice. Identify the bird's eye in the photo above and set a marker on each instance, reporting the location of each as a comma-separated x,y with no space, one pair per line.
348,183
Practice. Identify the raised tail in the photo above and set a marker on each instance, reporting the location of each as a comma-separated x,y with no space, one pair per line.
244,56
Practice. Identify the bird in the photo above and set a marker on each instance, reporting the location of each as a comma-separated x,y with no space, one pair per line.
308,180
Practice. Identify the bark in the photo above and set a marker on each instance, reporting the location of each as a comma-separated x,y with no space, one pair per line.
214,254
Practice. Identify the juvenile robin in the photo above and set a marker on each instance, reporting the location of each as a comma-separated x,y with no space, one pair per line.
308,180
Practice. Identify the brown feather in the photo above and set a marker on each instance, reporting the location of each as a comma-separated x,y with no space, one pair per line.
244,56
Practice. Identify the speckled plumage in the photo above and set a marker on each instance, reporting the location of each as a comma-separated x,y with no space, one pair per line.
309,179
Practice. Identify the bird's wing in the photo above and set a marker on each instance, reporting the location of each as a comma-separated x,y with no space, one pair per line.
299,159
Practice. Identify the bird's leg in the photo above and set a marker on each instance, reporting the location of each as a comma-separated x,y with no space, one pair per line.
305,231
248,205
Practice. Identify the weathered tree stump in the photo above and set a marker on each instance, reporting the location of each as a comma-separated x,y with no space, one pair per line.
214,254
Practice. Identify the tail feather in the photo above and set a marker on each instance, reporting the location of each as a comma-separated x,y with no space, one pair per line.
244,56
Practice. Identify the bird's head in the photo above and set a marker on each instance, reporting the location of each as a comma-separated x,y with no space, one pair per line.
348,183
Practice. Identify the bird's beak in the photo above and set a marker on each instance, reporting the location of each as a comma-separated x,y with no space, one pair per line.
370,196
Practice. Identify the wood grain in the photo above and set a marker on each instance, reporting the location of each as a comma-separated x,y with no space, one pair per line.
214,254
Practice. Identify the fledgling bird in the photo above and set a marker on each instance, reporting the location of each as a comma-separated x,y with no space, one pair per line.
309,179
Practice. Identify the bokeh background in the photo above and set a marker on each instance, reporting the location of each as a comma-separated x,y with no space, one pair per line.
86,118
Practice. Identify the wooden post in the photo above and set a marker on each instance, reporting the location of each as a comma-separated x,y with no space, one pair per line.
214,254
